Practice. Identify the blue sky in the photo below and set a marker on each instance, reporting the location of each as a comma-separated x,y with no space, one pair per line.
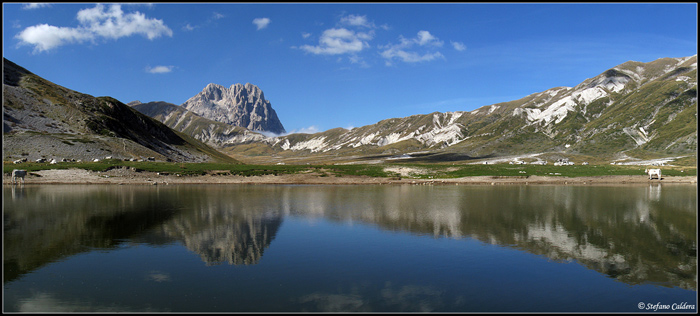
340,65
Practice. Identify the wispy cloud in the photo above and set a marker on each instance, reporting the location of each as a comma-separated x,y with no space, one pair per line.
355,59
459,46
212,19
159,69
189,27
356,20
32,6
404,50
95,23
261,23
408,57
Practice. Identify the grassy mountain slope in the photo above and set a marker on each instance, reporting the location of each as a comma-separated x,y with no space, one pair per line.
44,120
643,110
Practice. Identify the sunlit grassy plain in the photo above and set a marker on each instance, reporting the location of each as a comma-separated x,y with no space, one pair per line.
444,171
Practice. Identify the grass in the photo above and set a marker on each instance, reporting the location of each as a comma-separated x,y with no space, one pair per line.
551,170
169,167
370,170
204,168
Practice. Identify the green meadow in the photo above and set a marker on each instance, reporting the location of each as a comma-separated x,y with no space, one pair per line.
434,171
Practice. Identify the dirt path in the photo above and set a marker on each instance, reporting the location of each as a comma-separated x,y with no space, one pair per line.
128,176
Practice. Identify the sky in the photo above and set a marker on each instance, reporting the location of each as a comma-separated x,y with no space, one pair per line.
329,65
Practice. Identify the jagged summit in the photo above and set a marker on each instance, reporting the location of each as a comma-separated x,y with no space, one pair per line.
238,105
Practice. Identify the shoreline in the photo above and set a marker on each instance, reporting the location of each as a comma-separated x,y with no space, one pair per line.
125,176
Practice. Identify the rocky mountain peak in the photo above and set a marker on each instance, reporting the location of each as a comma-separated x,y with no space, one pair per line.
238,105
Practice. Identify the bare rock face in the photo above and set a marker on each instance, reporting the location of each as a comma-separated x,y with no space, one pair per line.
239,105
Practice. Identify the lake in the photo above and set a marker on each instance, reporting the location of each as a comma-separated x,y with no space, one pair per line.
314,248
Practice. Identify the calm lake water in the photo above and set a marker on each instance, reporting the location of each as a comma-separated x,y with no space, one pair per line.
289,248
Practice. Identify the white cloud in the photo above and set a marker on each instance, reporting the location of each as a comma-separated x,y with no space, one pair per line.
146,4
345,38
115,24
425,38
459,46
403,50
32,6
339,41
352,36
356,20
189,27
159,69
95,23
45,37
261,23
409,57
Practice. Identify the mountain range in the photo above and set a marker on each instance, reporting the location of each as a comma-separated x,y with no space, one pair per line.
42,120
632,111
635,110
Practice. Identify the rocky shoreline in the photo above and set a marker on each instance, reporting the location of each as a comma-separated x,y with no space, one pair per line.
128,176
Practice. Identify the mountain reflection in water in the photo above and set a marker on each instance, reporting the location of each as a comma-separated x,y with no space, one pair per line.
635,234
